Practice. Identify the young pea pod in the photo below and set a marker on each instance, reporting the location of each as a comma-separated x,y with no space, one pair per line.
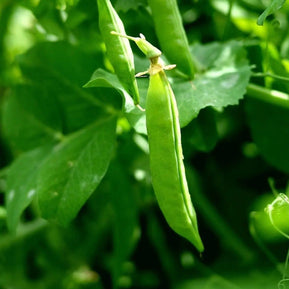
172,36
166,159
118,49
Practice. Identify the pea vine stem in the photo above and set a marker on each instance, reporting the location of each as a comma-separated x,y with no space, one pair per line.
267,74
268,95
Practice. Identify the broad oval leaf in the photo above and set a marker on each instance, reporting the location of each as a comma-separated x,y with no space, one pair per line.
74,169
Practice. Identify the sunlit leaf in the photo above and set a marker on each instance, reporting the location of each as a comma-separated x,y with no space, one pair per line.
223,82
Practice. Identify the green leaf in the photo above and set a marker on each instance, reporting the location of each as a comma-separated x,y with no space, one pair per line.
223,82
272,8
31,118
22,182
269,127
74,170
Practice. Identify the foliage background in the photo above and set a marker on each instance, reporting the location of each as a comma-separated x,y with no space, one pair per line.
233,142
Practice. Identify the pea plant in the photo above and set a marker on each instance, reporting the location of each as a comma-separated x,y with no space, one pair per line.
144,144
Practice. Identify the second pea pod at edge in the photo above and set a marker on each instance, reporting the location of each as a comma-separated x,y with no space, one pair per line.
172,36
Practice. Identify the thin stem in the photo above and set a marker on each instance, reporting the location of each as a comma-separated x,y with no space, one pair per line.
125,36
268,95
268,74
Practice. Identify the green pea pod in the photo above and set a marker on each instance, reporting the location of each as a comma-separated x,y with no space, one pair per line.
172,36
118,49
166,159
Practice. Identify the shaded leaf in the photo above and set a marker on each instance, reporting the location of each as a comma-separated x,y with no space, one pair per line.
61,60
74,169
61,69
53,102
31,118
